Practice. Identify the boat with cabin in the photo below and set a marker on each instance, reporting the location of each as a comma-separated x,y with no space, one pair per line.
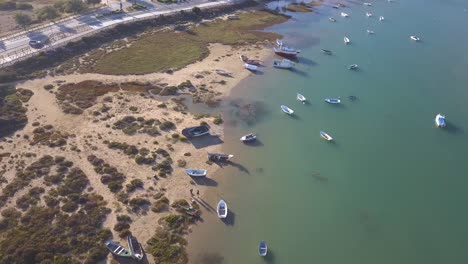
283,64
325,136
367,4
353,66
248,138
301,98
415,38
368,14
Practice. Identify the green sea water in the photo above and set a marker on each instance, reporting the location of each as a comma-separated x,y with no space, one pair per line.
392,188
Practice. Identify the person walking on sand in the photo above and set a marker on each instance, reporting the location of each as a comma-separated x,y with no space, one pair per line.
191,192
198,192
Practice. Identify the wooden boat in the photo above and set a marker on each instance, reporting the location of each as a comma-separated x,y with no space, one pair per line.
346,40
222,209
283,64
196,172
116,249
223,72
248,61
301,98
196,131
218,157
415,38
440,120
333,100
248,138
135,248
353,66
343,14
325,136
327,51
250,67
332,19
262,249
287,110
381,18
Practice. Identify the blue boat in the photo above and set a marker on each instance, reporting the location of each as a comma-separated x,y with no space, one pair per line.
262,249
440,120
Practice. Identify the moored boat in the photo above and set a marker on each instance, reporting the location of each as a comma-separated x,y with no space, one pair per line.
440,120
368,14
332,19
343,14
301,98
283,64
415,38
250,67
116,249
353,66
335,6
325,136
196,131
346,40
370,32
287,110
367,4
381,18
222,209
196,172
135,248
262,249
249,138
286,51
333,100
219,157
329,52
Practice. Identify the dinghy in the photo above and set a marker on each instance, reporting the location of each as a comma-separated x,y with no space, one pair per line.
196,131
222,209
346,40
287,110
283,64
249,138
301,98
250,67
414,38
249,61
332,19
353,66
332,100
440,120
343,14
367,4
116,249
368,14
135,248
327,51
196,172
262,249
381,18
370,32
325,136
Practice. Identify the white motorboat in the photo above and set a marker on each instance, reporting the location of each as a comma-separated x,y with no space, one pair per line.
367,4
332,19
325,136
222,209
287,110
301,98
249,138
368,14
353,66
283,64
196,172
381,18
250,67
343,14
415,38
262,249
370,32
440,120
333,100
346,40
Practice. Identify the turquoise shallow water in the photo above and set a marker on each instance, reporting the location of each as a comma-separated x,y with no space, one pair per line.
392,188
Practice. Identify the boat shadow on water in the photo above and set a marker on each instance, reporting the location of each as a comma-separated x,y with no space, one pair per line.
452,128
256,143
230,218
299,72
307,61
239,166
270,257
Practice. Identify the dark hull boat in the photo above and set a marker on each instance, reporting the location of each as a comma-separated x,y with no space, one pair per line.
195,131
135,248
218,157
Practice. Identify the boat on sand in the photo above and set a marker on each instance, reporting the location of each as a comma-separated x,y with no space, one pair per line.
135,248
283,64
196,172
222,209
116,249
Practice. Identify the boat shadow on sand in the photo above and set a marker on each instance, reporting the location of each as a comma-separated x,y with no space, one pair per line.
205,141
126,260
205,181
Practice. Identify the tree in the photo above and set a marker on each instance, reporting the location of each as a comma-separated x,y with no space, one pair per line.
22,20
74,6
93,2
47,13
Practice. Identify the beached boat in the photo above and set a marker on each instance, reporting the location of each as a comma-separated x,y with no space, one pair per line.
332,19
262,249
329,52
196,172
219,157
249,61
381,18
222,209
353,66
248,138
283,64
325,136
286,51
370,32
368,14
250,67
367,4
223,72
335,6
196,131
415,38
301,98
116,249
333,100
135,248
440,120
287,110
346,40
343,14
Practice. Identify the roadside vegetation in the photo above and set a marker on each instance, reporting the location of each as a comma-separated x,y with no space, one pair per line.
12,112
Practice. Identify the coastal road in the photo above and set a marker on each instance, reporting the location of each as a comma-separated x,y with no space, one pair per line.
16,47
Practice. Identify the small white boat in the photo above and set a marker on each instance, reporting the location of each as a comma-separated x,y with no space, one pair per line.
353,66
283,64
368,14
346,40
249,138
381,18
287,110
415,38
301,98
440,120
367,4
333,100
325,136
250,67
332,19
343,14
196,172
222,209
262,249
370,32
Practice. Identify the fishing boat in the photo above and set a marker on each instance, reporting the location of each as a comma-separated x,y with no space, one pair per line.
353,66
325,136
381,18
301,98
287,110
414,38
368,14
333,100
367,4
196,131
250,67
332,19
135,248
286,51
327,51
222,209
249,61
223,72
440,120
196,172
370,32
262,249
283,64
343,14
249,138
116,249
219,157
346,40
